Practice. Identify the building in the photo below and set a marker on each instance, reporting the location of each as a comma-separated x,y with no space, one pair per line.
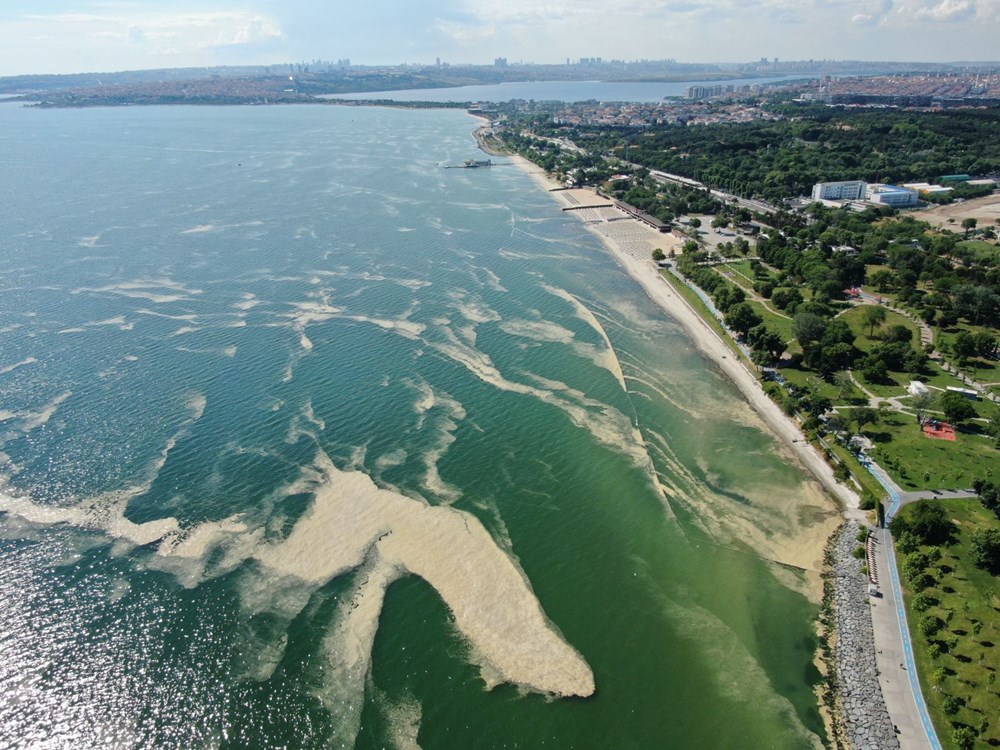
850,190
703,92
891,195
925,188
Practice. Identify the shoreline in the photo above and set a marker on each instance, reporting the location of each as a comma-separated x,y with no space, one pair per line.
645,273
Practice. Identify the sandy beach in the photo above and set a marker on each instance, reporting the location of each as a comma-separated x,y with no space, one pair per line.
633,247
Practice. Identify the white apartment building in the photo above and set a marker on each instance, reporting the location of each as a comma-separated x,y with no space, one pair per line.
851,190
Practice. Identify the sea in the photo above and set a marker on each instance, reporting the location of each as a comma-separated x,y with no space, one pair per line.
563,91
309,442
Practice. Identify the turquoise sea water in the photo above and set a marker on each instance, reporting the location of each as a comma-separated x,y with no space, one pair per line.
199,306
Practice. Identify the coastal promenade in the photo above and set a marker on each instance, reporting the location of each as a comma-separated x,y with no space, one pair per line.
894,655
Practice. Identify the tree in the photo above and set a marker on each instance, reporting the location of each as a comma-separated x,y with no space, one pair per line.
873,369
956,407
964,738
898,334
882,280
927,521
873,317
915,362
964,347
993,428
742,317
658,255
950,706
984,549
765,341
989,494
815,404
786,299
985,343
969,224
863,415
921,403
694,223
808,328
835,357
930,625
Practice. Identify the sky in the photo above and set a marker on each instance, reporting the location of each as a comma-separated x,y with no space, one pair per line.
67,36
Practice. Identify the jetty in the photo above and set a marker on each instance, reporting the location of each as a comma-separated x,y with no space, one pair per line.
472,164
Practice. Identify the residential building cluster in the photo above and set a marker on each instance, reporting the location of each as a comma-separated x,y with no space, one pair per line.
644,115
911,90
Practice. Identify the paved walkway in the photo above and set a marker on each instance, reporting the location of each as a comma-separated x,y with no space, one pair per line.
894,650
894,656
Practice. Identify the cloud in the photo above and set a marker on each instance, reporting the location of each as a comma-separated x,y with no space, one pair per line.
947,10
136,36
873,16
466,33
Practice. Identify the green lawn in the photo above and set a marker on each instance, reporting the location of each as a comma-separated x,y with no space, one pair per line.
964,596
918,462
741,273
855,319
809,379
776,323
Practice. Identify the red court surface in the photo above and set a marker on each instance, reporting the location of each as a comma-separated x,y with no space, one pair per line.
939,430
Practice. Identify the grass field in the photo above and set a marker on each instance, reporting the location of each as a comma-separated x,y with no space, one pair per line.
965,600
917,462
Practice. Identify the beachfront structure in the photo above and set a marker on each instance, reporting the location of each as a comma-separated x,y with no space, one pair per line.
891,195
850,190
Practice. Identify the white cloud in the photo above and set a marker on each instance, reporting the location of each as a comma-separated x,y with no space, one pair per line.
137,37
948,10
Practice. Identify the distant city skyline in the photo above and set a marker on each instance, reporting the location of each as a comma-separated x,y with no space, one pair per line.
109,35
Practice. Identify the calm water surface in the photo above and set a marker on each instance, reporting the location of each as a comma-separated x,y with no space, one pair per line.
565,91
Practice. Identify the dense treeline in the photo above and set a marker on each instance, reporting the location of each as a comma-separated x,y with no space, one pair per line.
779,159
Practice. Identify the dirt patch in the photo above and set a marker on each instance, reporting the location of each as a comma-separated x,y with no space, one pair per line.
985,210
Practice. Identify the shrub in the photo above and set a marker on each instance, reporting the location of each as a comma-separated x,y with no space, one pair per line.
930,625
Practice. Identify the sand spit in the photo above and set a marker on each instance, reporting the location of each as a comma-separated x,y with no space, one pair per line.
352,523
635,258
